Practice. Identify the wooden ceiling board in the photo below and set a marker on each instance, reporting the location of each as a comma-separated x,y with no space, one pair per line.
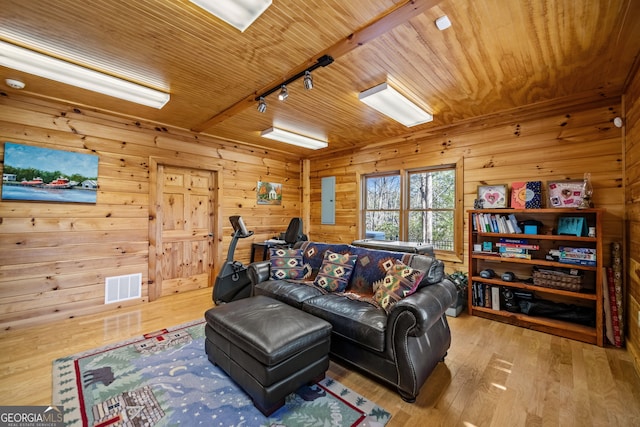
497,56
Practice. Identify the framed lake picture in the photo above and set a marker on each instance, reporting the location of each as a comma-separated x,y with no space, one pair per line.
47,175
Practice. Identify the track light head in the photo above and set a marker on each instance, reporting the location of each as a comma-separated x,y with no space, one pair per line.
308,80
262,105
284,93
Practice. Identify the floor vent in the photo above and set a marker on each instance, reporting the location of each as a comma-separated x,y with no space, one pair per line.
122,288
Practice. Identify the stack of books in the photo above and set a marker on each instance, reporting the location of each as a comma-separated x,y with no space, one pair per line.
515,248
577,256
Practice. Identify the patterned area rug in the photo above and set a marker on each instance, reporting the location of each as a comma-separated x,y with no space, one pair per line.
165,379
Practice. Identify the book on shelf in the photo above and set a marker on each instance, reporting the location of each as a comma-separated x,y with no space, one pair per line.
495,298
509,249
516,246
516,243
578,253
585,262
577,256
514,255
496,223
514,222
487,296
484,295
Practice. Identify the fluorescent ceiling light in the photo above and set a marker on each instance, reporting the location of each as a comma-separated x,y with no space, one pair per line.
239,13
293,138
31,62
392,103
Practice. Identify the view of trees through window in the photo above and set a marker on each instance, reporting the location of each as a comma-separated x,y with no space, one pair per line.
427,216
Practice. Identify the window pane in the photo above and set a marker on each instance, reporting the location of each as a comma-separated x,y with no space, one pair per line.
386,222
432,227
383,192
432,190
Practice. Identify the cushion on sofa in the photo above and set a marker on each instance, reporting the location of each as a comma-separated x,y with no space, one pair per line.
335,271
371,267
372,264
358,321
313,253
433,268
287,264
291,292
399,282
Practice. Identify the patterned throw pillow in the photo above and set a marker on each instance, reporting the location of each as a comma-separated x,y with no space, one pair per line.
335,271
400,281
286,264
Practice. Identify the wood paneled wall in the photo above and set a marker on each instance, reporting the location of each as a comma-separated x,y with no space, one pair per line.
54,257
632,206
557,140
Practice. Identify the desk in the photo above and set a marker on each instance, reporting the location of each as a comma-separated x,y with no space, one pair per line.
396,246
265,247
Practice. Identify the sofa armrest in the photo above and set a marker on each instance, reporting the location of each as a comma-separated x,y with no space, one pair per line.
425,306
259,272
418,335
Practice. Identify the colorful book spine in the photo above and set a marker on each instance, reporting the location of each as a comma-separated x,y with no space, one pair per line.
503,249
513,255
518,245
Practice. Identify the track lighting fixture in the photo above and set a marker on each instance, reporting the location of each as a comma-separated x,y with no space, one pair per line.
308,80
323,61
262,105
284,93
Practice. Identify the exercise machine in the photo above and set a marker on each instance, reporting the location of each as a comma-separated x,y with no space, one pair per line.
233,281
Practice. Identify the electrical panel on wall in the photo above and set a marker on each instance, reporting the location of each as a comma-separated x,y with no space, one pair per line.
328,200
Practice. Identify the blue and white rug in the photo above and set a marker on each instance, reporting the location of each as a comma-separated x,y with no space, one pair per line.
166,379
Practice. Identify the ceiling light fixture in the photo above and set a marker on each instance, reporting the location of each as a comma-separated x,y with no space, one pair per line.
308,80
282,135
284,93
31,62
239,14
323,61
262,105
392,103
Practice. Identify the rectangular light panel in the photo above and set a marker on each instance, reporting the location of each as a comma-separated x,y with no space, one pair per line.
238,13
393,104
35,63
293,138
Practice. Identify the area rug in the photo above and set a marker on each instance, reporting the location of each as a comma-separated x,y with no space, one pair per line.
165,379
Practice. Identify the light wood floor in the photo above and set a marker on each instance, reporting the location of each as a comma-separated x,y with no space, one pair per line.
494,375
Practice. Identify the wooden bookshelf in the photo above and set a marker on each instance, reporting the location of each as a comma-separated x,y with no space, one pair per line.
587,300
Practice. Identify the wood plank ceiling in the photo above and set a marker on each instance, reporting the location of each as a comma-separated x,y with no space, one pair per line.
498,55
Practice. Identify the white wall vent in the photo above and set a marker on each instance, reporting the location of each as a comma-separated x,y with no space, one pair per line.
122,288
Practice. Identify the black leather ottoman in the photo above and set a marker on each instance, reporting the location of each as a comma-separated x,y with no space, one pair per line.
267,347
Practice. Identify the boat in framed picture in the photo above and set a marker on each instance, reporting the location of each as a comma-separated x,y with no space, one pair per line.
46,175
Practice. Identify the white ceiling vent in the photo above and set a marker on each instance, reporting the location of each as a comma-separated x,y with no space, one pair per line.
122,288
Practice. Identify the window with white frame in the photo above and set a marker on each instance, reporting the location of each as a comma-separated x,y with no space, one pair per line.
417,205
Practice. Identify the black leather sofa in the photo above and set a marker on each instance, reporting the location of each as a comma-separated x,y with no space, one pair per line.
400,348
